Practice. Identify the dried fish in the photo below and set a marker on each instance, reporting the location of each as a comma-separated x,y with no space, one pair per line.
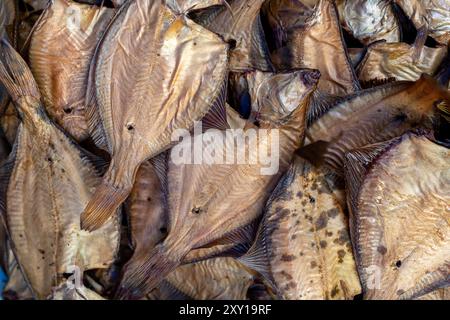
371,20
209,201
328,55
61,50
400,61
53,179
218,279
303,246
399,199
374,115
240,25
168,76
431,14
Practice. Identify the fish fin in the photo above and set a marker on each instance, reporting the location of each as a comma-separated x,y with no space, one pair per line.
356,165
320,104
170,292
160,164
260,56
444,110
146,274
367,84
419,43
314,152
104,203
216,118
15,74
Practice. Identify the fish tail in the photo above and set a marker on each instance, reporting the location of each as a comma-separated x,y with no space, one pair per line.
15,74
444,110
143,275
103,205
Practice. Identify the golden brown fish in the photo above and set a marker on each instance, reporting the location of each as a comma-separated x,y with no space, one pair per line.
303,246
374,115
156,67
399,201
214,279
319,45
47,182
207,200
431,14
62,47
240,24
400,61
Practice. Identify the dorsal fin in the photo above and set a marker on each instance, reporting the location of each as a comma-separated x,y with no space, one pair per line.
216,118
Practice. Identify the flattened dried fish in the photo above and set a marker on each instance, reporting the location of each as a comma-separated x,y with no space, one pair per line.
153,67
303,246
210,201
400,61
62,47
371,20
48,180
218,279
374,115
240,23
431,14
319,45
400,216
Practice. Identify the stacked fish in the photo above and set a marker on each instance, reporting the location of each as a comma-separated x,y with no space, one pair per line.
118,117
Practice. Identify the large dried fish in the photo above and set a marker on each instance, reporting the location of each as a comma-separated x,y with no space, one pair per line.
371,20
210,201
303,246
400,61
240,24
431,14
62,47
218,279
153,67
374,115
399,200
319,45
47,180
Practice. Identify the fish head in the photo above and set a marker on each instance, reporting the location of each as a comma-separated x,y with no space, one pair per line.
280,95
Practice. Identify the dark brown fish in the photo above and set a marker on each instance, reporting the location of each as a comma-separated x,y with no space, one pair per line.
62,47
47,181
303,246
240,24
400,218
154,66
211,201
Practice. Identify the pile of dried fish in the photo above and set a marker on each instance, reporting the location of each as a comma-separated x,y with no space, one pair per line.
212,149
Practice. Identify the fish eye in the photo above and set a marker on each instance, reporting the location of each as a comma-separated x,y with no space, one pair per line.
196,210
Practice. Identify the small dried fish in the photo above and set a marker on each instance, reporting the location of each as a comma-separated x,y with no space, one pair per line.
374,115
62,47
320,45
399,200
211,201
157,67
303,246
400,61
240,24
431,14
53,179
218,279
371,20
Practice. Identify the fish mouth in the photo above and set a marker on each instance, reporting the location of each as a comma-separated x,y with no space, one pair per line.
310,78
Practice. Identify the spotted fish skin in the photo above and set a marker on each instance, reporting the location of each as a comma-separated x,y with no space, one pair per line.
399,216
303,242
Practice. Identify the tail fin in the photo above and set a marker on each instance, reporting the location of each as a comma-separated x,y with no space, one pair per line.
140,278
15,74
